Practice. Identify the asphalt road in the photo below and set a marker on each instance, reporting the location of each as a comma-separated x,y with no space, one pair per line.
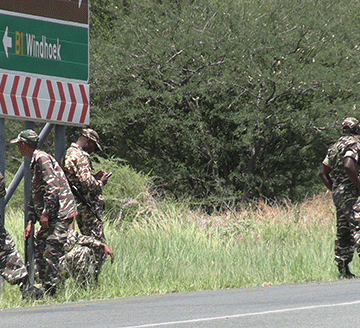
327,304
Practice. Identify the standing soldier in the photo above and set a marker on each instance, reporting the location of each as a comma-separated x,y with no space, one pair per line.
51,204
341,160
12,268
89,196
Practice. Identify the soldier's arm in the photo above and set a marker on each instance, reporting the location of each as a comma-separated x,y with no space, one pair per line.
31,212
349,165
76,238
32,220
51,188
82,168
87,240
325,176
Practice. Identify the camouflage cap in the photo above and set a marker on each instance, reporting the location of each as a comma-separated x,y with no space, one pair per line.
91,134
350,122
29,136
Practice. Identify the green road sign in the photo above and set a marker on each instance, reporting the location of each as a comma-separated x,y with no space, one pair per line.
37,45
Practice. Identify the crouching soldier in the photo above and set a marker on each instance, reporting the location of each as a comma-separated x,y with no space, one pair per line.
80,262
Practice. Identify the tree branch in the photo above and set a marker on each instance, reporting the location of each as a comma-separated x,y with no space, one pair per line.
207,23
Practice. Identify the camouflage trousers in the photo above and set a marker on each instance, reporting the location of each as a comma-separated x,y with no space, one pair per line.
80,264
49,247
347,225
12,268
90,225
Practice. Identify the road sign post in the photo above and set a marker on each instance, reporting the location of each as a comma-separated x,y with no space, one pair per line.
44,70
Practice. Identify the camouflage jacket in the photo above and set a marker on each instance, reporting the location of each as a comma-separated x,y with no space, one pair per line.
2,186
79,170
346,146
75,238
50,191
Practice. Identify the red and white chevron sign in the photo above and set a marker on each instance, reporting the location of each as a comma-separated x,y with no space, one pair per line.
44,99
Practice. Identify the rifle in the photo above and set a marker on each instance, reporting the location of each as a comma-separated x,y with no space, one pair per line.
83,200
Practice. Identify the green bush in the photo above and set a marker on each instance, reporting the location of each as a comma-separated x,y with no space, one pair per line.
125,191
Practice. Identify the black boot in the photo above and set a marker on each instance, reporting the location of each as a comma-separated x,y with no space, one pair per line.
344,271
50,290
349,274
28,291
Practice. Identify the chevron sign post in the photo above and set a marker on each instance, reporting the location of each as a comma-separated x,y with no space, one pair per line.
44,61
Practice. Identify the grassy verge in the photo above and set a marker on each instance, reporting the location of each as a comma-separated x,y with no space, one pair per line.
168,248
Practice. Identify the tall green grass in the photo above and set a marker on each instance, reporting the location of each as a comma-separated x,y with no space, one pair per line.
169,248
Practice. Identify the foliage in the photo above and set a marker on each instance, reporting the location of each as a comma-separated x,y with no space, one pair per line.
17,199
224,101
125,191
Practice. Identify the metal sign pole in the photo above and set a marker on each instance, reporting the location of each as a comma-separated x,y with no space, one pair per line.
2,169
59,142
2,166
29,244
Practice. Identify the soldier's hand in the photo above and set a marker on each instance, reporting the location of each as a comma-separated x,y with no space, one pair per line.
108,252
27,231
99,175
104,179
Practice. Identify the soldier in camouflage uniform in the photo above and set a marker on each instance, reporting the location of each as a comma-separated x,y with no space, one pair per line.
341,161
79,262
12,268
52,204
79,171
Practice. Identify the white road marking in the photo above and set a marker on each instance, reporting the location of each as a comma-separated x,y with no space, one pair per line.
243,315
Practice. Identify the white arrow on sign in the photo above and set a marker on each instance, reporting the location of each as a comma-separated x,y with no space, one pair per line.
80,3
7,41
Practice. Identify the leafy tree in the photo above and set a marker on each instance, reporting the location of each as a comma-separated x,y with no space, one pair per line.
224,101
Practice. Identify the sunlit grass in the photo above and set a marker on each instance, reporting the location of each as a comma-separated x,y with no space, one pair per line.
169,248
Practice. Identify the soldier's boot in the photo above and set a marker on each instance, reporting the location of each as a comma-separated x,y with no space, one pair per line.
344,271
28,291
50,290
349,274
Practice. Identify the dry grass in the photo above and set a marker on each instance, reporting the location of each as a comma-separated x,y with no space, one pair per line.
316,211
259,220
